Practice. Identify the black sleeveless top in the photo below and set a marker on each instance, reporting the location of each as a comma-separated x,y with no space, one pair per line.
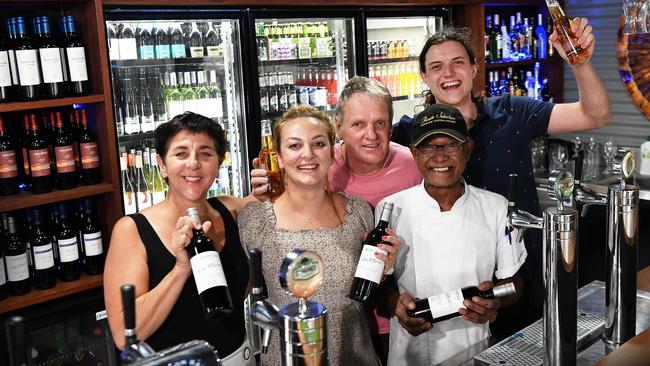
185,322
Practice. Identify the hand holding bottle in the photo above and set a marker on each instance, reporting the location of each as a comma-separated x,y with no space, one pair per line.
480,310
259,181
583,34
181,238
414,325
391,250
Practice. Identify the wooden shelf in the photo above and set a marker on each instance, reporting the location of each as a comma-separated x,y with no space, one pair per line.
61,289
26,199
50,103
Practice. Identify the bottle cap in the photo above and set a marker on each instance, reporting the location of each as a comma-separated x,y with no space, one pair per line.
504,290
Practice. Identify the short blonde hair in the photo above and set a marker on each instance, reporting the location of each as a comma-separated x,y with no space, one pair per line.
300,111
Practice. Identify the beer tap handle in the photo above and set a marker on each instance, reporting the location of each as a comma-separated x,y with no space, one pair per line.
577,171
512,192
16,347
257,290
128,305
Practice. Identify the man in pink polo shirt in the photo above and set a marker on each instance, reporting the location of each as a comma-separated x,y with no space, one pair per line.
367,164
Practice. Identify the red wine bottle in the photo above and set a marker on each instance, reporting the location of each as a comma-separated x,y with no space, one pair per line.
51,65
75,52
370,269
6,82
29,73
91,233
208,272
8,163
66,172
42,252
17,260
445,306
66,240
91,172
38,150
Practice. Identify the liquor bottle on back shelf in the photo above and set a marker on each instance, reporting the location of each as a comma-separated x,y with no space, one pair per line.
146,44
208,272
75,52
177,42
268,159
29,73
212,41
562,25
542,38
66,173
51,64
147,116
91,237
38,150
445,306
42,252
158,186
17,260
91,172
128,188
162,47
141,189
195,42
66,238
370,269
131,108
127,43
8,162
215,97
6,72
174,97
113,42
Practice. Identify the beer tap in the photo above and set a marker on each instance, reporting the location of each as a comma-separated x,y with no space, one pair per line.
559,227
584,196
303,324
257,291
622,252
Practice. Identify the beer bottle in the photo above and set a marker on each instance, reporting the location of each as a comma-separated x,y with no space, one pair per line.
269,160
562,25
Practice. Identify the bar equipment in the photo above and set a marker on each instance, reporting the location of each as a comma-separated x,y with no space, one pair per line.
302,324
560,233
622,202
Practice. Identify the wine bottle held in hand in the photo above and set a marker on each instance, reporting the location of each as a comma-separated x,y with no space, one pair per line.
445,306
370,268
208,272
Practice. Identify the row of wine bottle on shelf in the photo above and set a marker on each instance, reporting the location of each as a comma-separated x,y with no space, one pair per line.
42,65
173,40
293,41
401,78
524,83
42,243
148,97
523,40
48,152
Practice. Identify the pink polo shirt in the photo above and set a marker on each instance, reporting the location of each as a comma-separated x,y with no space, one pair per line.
399,173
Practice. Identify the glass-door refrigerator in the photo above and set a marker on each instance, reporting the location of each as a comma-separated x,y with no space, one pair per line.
164,63
393,45
300,57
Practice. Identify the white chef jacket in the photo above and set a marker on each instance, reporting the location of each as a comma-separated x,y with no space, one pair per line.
443,251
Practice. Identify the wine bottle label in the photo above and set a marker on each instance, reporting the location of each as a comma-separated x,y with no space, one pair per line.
144,200
77,64
129,203
68,249
8,165
3,278
51,65
147,53
128,49
93,244
370,267
17,267
43,256
89,155
28,72
13,67
65,162
214,51
5,69
114,49
196,51
446,303
178,51
39,162
162,51
148,123
207,271
304,50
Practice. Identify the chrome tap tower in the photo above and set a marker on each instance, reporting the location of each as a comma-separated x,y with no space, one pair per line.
560,234
622,201
302,325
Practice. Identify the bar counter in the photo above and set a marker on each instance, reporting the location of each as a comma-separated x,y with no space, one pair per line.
591,298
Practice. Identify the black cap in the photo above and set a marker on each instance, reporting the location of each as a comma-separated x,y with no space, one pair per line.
439,119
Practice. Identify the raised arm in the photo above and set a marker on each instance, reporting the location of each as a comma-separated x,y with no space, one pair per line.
593,109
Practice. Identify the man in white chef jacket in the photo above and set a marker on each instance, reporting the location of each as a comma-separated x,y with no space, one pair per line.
453,235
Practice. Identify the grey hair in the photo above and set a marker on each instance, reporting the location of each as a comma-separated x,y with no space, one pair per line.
367,86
